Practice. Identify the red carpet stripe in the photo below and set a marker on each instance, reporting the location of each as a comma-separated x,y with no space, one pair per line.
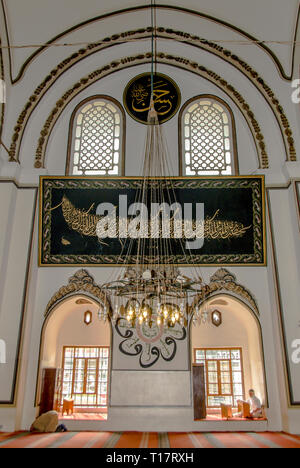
77,441
149,440
294,438
97,440
153,440
113,440
180,441
282,440
263,440
65,437
229,440
247,439
15,440
130,440
42,440
102,441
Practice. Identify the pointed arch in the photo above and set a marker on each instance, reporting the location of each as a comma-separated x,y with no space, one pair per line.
80,282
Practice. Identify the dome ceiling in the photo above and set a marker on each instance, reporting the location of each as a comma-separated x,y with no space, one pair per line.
36,22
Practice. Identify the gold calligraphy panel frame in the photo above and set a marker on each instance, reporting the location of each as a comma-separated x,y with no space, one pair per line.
68,220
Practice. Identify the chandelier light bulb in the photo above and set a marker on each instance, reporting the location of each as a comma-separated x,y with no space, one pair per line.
156,292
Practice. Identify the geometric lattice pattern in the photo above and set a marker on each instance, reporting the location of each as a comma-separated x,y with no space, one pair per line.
97,140
207,139
85,376
224,375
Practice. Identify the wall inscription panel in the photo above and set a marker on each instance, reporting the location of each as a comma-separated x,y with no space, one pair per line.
233,224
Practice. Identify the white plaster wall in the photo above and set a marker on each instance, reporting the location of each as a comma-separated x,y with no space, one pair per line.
151,389
14,235
17,217
288,254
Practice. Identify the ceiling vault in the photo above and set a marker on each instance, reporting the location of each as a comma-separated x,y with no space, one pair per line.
162,6
168,33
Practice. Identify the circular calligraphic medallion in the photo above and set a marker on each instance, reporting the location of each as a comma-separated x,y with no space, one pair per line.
137,96
149,335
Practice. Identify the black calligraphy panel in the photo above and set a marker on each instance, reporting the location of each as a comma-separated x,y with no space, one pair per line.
137,96
234,220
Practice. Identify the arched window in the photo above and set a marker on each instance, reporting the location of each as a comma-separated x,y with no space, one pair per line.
208,138
96,144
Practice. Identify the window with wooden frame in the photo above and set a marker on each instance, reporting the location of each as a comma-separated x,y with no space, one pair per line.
208,138
224,375
97,138
85,376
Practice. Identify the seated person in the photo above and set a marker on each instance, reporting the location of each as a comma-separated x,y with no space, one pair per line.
47,423
255,405
256,410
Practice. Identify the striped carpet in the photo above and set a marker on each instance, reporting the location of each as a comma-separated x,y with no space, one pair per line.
149,440
83,417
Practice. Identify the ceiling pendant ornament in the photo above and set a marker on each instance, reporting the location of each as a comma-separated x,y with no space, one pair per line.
150,299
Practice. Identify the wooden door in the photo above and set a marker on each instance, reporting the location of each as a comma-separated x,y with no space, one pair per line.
49,390
199,391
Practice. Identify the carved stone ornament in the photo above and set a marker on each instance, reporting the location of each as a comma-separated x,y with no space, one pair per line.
225,281
81,282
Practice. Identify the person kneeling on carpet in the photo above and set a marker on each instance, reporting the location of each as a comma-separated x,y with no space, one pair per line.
48,423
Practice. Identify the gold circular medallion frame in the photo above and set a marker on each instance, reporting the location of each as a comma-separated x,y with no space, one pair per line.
137,95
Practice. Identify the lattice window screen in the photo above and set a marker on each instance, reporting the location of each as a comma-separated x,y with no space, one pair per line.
98,140
207,139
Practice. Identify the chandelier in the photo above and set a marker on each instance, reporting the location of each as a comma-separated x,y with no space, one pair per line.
151,292
156,296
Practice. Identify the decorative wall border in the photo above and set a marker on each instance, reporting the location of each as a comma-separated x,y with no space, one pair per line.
297,198
2,77
83,282
161,32
224,280
260,44
139,59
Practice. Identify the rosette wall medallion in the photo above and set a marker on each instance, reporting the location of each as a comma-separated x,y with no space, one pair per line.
150,344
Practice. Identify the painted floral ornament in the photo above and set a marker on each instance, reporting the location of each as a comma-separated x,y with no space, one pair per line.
151,343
